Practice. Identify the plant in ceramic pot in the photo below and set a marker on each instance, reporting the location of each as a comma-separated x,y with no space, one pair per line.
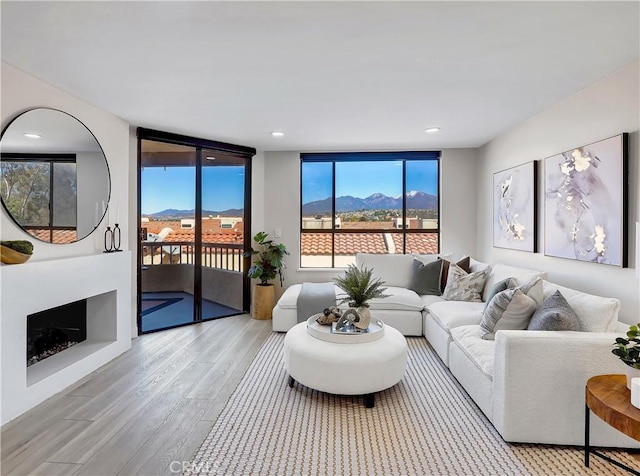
360,286
267,265
628,350
15,251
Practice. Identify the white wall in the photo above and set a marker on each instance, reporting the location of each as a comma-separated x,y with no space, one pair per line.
602,110
281,202
20,92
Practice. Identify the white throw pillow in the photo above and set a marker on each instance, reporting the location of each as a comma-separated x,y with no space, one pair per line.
533,289
508,310
463,286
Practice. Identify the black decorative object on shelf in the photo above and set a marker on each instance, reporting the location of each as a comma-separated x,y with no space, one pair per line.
117,238
108,240
112,239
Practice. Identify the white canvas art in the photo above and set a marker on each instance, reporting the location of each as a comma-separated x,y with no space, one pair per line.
585,203
514,208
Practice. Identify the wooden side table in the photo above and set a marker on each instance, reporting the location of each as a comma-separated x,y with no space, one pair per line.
608,397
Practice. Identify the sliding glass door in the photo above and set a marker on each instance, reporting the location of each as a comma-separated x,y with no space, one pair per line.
193,215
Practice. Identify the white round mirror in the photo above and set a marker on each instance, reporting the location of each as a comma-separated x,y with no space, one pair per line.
54,177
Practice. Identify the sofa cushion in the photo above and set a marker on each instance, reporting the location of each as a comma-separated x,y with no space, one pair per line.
510,309
425,277
394,269
475,265
479,351
450,314
429,258
463,286
503,271
429,299
462,262
399,299
596,314
555,314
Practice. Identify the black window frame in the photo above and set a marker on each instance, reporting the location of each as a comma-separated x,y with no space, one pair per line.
337,157
50,159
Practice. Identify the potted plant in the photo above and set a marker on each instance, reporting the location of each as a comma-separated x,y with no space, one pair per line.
15,252
359,286
268,263
628,350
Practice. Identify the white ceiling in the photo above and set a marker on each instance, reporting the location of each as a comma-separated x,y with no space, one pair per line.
331,75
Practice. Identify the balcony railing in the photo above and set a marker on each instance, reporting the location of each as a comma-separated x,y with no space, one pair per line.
214,255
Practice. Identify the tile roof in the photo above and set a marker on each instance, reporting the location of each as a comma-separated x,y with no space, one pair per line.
61,237
423,243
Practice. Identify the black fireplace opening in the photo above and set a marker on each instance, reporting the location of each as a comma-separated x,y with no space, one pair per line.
55,330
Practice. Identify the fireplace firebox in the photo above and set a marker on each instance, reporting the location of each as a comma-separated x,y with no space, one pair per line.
55,330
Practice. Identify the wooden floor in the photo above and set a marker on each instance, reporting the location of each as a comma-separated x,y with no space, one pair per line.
147,409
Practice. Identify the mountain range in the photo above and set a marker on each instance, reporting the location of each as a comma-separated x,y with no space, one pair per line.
377,201
347,203
173,213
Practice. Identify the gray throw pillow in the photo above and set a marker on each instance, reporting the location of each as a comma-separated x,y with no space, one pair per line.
508,310
499,287
555,314
425,277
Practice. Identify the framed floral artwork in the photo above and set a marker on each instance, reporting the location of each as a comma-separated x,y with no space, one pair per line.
586,199
515,208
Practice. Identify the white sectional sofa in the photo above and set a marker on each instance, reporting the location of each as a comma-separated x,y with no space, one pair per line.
529,384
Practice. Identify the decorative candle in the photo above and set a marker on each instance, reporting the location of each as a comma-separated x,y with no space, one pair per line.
635,392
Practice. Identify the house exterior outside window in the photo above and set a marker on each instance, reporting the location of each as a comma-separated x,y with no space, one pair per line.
368,202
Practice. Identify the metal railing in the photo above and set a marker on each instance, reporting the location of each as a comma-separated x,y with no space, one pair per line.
214,255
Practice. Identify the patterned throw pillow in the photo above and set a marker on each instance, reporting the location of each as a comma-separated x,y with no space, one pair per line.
464,263
508,310
555,314
500,286
533,289
463,286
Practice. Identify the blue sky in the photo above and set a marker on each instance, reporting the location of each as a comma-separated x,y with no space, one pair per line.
362,179
223,188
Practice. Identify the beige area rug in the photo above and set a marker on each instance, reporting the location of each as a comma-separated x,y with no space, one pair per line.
425,425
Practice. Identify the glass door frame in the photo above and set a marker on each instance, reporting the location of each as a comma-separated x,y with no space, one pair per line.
243,151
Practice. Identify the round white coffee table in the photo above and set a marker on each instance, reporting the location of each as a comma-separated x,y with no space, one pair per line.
345,368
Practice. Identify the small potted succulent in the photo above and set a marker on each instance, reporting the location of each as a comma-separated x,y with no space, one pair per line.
360,286
15,251
628,350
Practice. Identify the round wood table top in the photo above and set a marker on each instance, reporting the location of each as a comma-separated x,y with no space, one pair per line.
608,397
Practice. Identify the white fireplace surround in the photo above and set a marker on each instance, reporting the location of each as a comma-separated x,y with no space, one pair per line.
103,279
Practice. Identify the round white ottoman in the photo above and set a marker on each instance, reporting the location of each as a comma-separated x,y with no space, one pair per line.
345,369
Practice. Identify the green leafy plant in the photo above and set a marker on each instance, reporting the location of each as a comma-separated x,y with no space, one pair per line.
21,246
360,286
269,260
629,349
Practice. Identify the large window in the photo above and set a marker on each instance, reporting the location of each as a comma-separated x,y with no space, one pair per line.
367,202
41,194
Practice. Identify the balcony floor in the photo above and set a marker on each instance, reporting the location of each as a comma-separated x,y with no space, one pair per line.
169,309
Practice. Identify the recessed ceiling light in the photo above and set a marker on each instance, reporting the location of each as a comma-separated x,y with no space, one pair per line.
277,133
432,129
210,157
31,135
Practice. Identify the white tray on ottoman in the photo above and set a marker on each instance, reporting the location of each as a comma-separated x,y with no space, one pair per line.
374,332
345,368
